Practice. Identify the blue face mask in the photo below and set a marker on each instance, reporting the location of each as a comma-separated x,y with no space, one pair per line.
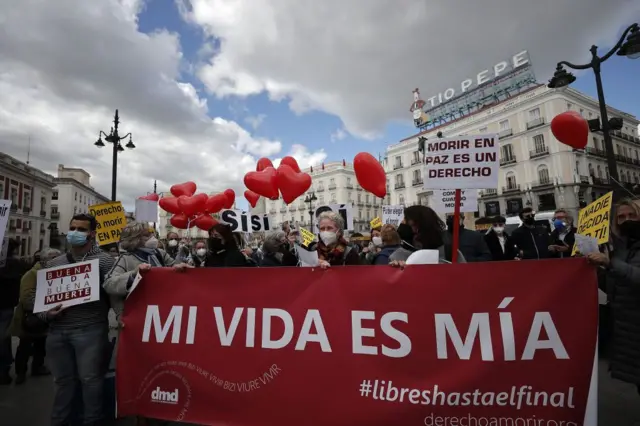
559,224
77,238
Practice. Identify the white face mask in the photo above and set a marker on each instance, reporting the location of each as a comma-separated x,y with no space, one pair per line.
328,237
201,252
152,243
173,243
498,229
377,241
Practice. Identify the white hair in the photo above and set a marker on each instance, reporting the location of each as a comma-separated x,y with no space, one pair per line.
131,235
272,241
333,217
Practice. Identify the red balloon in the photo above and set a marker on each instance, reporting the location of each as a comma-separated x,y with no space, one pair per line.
263,183
263,163
180,221
292,184
231,198
251,197
169,204
205,222
187,188
291,162
215,203
150,197
192,205
370,174
571,129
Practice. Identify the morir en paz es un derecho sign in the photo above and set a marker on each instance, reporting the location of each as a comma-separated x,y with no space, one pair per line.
444,201
469,162
68,285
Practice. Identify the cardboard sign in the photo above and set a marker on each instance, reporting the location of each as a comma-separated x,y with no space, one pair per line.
68,285
307,237
376,223
392,215
470,162
111,219
146,210
344,210
443,200
595,219
240,221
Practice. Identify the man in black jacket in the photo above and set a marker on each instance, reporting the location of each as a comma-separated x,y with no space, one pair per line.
471,243
532,240
563,235
499,242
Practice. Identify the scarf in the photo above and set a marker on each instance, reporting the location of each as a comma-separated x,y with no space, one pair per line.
147,255
332,255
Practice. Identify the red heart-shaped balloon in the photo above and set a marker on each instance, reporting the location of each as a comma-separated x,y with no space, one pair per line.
370,174
187,188
263,183
215,203
291,162
205,222
231,198
251,197
150,197
192,205
571,129
169,204
180,221
263,163
292,184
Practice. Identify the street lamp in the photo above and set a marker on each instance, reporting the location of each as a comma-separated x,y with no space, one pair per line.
310,199
561,78
114,138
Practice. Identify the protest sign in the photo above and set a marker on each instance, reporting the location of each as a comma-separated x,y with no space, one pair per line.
392,215
376,223
307,237
231,353
146,210
344,210
68,285
240,221
110,218
5,210
470,162
444,200
595,220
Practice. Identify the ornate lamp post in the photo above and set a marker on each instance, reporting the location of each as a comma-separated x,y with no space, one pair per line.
310,199
114,138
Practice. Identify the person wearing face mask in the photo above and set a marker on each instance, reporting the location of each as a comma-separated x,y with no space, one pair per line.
390,242
333,249
499,242
276,251
622,274
199,254
470,243
173,246
563,235
224,250
532,241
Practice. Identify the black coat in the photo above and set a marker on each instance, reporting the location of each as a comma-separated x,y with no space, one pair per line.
533,242
569,240
227,259
510,251
473,247
10,277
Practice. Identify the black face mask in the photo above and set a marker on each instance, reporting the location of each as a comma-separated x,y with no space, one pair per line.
216,244
450,223
406,233
631,229
529,220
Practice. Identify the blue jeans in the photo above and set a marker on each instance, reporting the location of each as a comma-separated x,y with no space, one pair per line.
6,353
77,355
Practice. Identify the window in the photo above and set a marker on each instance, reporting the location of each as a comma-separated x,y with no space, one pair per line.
569,105
369,215
507,152
321,199
606,172
596,143
416,175
599,171
590,114
582,112
14,196
511,180
333,197
416,157
332,181
2,188
534,114
399,180
398,162
504,125
75,210
401,199
578,168
350,197
359,197
618,149
76,197
543,174
359,214
27,199
43,204
348,181
538,142
591,173
366,198
55,195
635,177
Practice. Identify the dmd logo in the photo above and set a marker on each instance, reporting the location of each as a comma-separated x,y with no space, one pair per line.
164,397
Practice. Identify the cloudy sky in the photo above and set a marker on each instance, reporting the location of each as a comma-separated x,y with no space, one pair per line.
209,86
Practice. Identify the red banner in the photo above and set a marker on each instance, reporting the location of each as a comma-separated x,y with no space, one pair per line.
509,343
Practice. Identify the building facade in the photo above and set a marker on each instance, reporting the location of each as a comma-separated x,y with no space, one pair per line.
332,183
73,194
536,170
30,191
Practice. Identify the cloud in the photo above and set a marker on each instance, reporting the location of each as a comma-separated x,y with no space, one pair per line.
338,135
79,60
362,63
255,120
304,157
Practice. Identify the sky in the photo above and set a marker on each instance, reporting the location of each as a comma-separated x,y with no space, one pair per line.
209,86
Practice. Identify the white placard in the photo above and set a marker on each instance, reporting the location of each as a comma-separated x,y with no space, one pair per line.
308,259
5,210
344,210
68,285
146,211
134,284
444,200
240,221
3,252
392,215
470,162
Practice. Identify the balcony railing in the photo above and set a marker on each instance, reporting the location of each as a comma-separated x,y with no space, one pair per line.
332,186
399,185
600,180
54,196
397,166
42,230
415,161
14,207
597,152
26,209
320,189
535,123
488,192
539,152
12,227
272,211
584,179
508,160
43,213
505,133
511,188
55,215
349,186
417,182
292,208
542,183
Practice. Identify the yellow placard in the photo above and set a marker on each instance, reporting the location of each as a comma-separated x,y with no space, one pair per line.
376,223
595,219
307,237
111,219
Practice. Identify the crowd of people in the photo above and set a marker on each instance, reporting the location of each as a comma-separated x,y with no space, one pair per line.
76,340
